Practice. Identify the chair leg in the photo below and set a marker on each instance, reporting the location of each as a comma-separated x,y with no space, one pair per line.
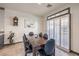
54,52
25,54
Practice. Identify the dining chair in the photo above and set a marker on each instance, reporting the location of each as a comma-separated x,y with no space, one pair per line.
49,48
27,45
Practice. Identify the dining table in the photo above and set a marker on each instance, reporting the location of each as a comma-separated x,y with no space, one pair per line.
36,48
36,45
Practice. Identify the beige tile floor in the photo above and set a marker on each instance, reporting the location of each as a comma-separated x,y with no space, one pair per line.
18,50
59,52
12,50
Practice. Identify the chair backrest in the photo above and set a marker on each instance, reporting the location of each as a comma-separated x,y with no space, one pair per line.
27,44
45,36
24,38
31,34
50,47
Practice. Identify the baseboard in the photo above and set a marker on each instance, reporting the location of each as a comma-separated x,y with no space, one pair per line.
74,52
68,51
12,43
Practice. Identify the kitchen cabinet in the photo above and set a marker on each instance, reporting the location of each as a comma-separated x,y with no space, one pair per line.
1,40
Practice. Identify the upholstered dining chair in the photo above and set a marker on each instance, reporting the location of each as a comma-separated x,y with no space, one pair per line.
27,45
49,48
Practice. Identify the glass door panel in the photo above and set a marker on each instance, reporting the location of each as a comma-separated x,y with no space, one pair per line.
57,31
51,29
65,31
48,28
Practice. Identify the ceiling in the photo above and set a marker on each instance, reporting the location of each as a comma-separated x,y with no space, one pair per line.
33,8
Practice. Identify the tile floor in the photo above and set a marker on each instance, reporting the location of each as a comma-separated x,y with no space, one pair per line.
18,50
13,50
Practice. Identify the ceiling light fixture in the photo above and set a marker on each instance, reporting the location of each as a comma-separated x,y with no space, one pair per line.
48,5
39,3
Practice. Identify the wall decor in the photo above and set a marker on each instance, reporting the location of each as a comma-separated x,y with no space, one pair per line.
15,21
30,25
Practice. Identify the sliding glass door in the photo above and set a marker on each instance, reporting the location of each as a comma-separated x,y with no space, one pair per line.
58,29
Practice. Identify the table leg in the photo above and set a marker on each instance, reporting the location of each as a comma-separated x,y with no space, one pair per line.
34,51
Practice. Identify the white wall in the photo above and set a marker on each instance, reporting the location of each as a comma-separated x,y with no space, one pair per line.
42,24
1,20
18,30
74,24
